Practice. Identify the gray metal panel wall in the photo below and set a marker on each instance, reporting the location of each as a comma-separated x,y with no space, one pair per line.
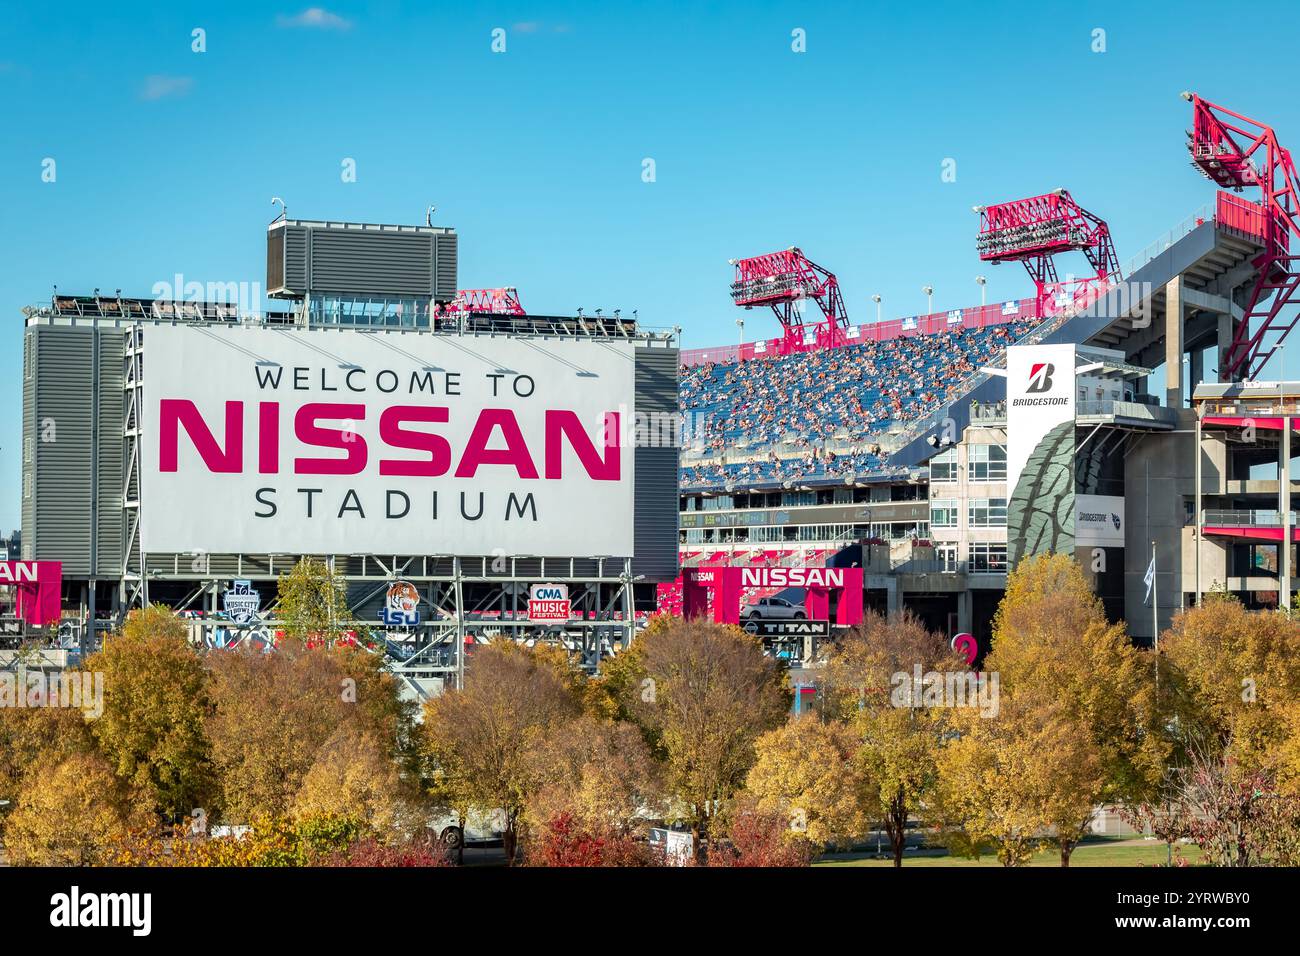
57,526
27,479
445,276
373,263
110,461
656,470
295,259
73,448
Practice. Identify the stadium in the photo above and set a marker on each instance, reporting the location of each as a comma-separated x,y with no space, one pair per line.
474,471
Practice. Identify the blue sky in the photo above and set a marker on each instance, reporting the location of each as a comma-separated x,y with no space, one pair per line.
166,159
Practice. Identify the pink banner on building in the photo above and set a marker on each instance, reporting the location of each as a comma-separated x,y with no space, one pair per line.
39,589
728,587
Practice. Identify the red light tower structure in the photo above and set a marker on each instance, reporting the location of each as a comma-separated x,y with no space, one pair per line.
782,280
490,301
1237,152
1036,229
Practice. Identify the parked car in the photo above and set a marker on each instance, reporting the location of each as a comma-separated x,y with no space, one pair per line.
773,608
479,828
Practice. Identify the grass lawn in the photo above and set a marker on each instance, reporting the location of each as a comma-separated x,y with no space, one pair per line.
1100,853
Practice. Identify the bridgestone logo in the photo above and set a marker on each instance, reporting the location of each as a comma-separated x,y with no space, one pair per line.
1038,401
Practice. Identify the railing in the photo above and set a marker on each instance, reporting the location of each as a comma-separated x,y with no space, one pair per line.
1134,410
975,317
1249,409
946,566
1244,519
993,413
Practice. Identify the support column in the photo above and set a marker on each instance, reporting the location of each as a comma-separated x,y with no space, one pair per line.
964,612
1225,341
1174,342
1197,371
1196,517
893,600
1284,505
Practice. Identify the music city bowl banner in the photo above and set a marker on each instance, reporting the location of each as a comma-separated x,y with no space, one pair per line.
1040,396
326,441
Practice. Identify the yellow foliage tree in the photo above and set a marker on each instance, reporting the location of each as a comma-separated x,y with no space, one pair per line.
806,772
1233,675
68,813
155,704
272,713
355,778
897,745
1054,647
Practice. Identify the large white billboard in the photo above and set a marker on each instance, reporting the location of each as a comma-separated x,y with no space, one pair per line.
1040,396
322,441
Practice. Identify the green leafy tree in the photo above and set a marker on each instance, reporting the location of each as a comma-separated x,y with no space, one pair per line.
312,604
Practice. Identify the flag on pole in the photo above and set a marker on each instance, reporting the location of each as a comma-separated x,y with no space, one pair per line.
1150,578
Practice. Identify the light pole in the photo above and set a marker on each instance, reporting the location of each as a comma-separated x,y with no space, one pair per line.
740,324
980,281
876,299
929,299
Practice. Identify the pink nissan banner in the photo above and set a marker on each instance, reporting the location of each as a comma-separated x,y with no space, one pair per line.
39,585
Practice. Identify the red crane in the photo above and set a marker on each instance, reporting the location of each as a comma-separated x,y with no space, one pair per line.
782,280
1036,229
1237,152
490,301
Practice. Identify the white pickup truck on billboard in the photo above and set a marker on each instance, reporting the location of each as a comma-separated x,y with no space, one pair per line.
549,603
260,440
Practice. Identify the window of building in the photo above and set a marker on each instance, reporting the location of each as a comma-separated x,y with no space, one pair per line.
943,467
988,558
987,463
943,513
987,513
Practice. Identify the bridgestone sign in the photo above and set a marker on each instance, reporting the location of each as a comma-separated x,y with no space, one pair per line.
259,440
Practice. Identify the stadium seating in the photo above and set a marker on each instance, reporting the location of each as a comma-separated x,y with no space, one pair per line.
846,398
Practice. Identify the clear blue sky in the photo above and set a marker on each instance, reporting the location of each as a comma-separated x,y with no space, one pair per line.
167,159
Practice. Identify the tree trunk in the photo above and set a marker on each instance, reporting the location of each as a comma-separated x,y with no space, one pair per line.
509,840
896,825
1066,850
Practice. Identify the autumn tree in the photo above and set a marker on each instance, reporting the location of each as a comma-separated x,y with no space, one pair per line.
1053,647
355,778
273,712
68,812
1231,674
598,775
757,838
312,603
32,735
1004,782
897,737
155,704
482,738
807,771
703,694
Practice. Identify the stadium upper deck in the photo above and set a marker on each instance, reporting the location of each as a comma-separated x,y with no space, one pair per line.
825,415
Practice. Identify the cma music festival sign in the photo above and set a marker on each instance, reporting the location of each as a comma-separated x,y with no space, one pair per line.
317,441
1040,396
